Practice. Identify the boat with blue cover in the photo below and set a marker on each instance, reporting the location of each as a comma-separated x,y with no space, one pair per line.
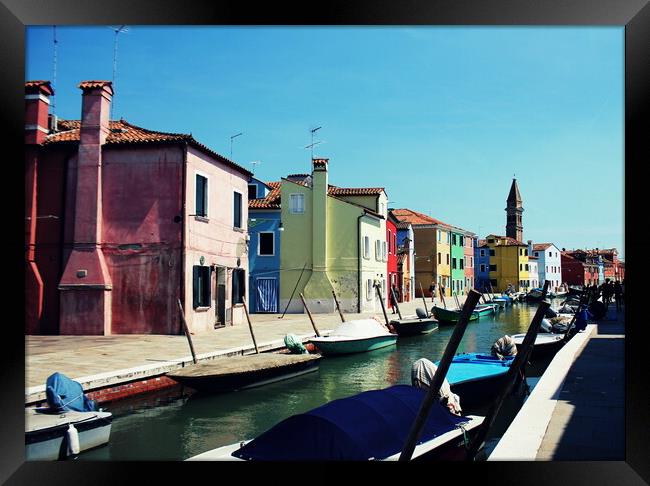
373,425
356,336
477,378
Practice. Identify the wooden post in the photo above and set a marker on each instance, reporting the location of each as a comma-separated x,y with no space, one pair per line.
381,301
313,324
338,308
513,372
250,326
187,331
457,302
392,292
442,297
294,291
439,376
425,300
581,303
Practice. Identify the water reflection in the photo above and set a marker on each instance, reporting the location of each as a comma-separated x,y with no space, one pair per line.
173,425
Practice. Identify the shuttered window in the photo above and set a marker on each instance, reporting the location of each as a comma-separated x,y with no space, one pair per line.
201,196
201,286
237,210
238,285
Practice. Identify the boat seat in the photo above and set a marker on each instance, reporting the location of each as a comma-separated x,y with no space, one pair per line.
421,313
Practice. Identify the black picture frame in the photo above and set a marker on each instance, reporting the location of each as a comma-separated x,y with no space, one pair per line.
15,15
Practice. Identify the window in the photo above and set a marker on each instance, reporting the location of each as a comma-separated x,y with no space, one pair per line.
536,253
482,267
453,239
490,240
297,203
521,267
447,258
462,241
238,285
266,243
471,262
237,210
378,250
453,263
383,251
492,252
461,261
252,191
482,253
526,267
493,268
525,252
440,236
446,236
366,247
201,286
201,196
369,289
550,254
390,241
439,258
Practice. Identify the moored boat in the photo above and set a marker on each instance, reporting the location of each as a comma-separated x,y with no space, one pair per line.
546,344
450,316
51,436
240,372
534,294
414,325
486,309
356,336
372,425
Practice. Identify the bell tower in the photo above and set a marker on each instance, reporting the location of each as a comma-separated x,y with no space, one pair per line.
514,210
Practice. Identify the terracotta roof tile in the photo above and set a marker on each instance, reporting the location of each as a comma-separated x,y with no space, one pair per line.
320,162
38,85
122,132
95,84
416,218
354,191
403,225
271,201
510,241
541,246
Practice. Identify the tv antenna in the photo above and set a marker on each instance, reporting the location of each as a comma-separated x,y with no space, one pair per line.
118,30
231,139
255,163
54,59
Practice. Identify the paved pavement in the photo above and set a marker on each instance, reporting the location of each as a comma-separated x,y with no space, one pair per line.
576,410
97,361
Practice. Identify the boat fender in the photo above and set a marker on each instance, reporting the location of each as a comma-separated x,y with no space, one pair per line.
73,440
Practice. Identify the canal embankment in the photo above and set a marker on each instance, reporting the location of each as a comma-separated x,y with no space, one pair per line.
577,409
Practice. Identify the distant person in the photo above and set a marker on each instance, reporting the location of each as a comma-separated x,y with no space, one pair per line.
618,294
432,290
391,298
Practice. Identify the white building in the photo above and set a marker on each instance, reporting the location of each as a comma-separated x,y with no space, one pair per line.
533,272
549,264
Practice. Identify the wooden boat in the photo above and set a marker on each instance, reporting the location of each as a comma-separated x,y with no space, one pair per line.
534,295
477,378
49,436
356,336
372,425
414,325
241,372
546,344
486,309
450,316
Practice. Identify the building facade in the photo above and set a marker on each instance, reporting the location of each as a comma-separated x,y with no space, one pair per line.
533,275
549,263
391,261
482,266
122,224
579,268
508,263
406,259
468,248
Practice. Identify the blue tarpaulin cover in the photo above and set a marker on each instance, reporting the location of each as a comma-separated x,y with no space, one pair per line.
65,394
472,366
373,424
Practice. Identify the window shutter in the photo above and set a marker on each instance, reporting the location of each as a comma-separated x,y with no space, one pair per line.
195,286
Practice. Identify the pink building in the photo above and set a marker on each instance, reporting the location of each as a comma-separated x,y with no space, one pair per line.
122,221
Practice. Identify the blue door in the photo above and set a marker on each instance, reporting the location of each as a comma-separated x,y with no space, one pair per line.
267,295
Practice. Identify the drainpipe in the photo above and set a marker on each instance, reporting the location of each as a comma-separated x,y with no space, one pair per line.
183,225
359,261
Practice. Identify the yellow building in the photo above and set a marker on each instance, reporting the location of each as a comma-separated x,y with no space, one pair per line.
508,263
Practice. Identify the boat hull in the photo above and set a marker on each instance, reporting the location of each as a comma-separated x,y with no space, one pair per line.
204,377
413,327
48,441
450,316
353,345
545,348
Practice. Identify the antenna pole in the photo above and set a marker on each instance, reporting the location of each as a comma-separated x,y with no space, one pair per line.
54,69
231,139
119,30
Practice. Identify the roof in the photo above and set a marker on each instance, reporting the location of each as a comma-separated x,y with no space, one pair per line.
318,163
39,85
510,241
416,218
514,196
532,258
124,133
354,191
480,243
271,201
541,246
84,85
403,225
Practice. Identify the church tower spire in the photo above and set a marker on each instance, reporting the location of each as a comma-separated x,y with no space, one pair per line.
514,208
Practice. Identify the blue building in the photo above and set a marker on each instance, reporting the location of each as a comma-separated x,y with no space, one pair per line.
481,265
264,227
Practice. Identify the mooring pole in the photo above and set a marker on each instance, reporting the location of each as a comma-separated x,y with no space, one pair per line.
313,324
250,326
338,308
187,331
439,376
442,297
425,300
381,301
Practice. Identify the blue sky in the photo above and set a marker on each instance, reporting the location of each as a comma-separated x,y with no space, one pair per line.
442,117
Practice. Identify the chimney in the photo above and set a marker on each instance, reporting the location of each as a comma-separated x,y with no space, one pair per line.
530,247
319,208
86,282
37,105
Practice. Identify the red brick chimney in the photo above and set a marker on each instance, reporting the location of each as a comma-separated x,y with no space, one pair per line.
86,283
37,104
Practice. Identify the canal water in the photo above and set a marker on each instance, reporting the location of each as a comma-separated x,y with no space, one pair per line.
176,424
